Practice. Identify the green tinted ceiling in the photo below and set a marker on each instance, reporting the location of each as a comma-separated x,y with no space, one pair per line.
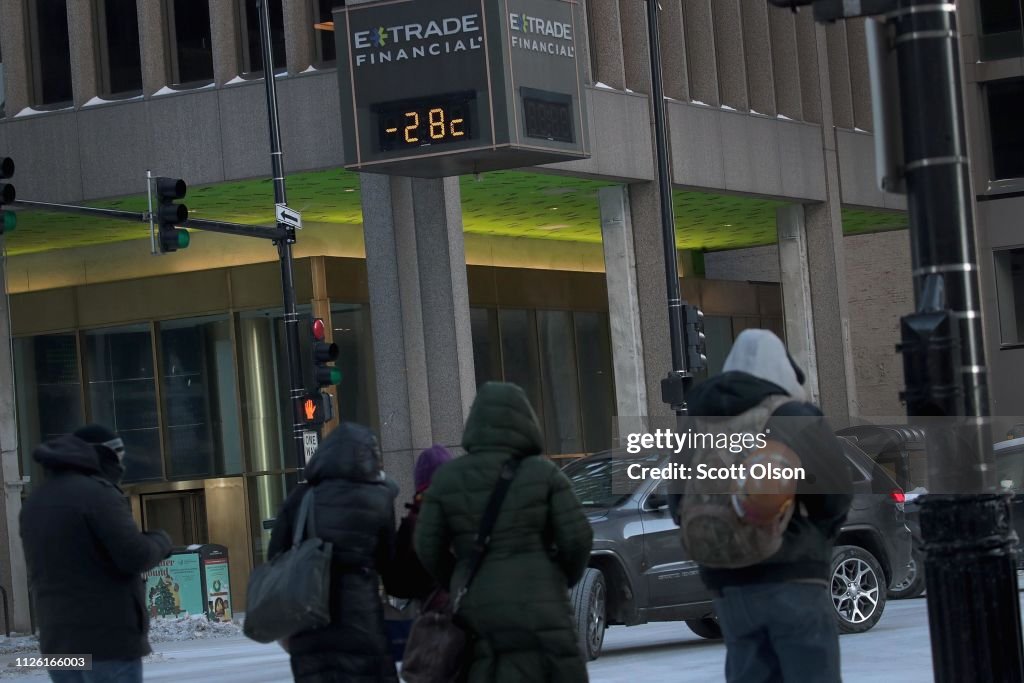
509,203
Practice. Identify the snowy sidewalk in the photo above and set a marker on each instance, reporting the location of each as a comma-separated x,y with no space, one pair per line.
655,653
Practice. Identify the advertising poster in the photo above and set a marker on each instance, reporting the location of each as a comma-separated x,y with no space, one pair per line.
173,588
218,589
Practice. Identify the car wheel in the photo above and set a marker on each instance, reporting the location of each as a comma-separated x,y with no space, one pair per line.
705,628
913,585
589,601
858,589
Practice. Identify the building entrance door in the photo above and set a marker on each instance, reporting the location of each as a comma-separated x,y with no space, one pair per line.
182,514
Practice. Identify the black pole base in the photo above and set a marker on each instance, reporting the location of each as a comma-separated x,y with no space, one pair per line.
971,581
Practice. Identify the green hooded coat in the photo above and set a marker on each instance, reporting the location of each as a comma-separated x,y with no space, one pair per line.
518,605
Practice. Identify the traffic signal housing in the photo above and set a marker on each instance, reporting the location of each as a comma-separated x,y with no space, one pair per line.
696,343
8,219
324,352
170,215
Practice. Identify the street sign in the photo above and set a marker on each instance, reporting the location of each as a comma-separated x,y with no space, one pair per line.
433,89
310,442
289,217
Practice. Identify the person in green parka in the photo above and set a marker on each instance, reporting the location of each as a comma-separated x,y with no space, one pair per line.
518,606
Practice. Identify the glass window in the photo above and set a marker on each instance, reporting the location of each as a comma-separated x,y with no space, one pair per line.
1000,35
188,23
325,39
486,350
351,326
48,391
266,494
1006,136
122,394
718,338
120,59
1009,270
51,52
560,382
198,391
252,48
597,384
519,357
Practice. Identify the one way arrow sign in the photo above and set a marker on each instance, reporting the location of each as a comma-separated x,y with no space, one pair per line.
288,216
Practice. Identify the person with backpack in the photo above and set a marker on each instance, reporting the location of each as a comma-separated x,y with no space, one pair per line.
406,577
353,509
516,609
768,568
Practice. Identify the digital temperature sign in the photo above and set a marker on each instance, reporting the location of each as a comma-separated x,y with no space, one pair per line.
434,89
426,121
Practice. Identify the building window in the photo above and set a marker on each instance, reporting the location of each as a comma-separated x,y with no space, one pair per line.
117,27
351,328
49,392
1000,35
1009,271
122,395
188,25
486,351
562,433
252,47
51,53
597,383
198,391
323,12
266,494
1006,136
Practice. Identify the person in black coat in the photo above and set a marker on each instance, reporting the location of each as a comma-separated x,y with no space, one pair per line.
86,555
354,510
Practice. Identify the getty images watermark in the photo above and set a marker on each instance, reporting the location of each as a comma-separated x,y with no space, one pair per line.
671,441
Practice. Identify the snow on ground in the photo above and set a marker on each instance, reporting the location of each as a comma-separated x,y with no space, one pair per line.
668,653
190,628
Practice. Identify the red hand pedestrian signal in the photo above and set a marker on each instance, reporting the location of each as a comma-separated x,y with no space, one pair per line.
310,407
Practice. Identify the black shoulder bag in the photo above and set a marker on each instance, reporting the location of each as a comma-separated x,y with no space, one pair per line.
436,650
291,593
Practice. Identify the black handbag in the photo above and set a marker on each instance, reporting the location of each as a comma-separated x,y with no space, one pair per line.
291,593
436,649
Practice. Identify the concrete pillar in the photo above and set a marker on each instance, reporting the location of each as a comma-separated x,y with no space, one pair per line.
299,43
13,573
606,30
153,40
419,309
796,293
226,39
83,41
623,304
17,73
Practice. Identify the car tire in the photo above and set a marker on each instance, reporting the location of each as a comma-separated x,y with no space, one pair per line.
857,589
706,628
589,603
913,585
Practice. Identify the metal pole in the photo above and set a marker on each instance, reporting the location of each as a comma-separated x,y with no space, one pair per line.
284,246
970,571
677,376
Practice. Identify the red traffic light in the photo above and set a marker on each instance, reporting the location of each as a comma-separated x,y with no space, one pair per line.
319,329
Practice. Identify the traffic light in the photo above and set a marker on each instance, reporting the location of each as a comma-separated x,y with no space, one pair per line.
696,348
324,353
170,215
316,408
8,219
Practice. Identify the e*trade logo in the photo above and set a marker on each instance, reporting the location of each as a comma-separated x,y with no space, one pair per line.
379,38
550,33
384,44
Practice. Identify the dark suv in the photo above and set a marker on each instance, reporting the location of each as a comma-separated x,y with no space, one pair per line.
639,571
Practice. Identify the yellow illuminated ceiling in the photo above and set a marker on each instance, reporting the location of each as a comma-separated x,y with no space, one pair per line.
508,203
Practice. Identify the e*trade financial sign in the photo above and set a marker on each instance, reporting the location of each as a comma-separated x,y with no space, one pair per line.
432,89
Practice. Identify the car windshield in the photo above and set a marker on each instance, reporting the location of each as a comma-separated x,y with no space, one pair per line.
592,479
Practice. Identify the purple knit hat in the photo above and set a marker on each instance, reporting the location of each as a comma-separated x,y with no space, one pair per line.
427,463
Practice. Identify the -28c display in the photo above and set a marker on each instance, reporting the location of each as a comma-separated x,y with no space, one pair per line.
426,121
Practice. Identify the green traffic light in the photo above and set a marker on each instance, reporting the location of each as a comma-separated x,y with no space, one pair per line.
10,221
184,239
335,376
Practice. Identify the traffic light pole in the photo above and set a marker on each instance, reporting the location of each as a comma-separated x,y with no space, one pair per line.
673,387
970,565
284,247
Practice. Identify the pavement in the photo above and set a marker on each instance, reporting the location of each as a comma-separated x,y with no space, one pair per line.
898,646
